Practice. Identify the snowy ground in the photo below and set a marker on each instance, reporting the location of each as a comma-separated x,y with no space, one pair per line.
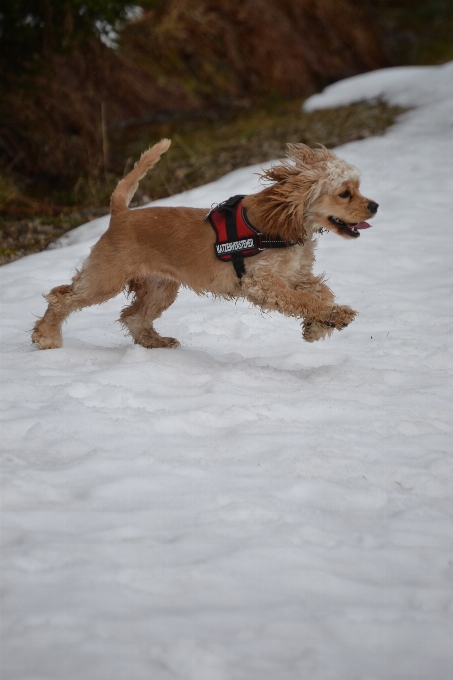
249,506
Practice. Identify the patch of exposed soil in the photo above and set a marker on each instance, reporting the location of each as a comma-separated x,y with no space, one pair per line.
20,237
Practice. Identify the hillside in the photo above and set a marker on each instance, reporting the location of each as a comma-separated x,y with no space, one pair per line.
185,57
224,79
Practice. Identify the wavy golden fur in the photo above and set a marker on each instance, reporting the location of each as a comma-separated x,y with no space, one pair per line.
146,253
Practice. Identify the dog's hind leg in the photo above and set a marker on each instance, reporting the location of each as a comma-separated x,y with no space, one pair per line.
95,283
152,296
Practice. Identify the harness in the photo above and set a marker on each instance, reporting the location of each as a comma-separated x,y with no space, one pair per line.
236,238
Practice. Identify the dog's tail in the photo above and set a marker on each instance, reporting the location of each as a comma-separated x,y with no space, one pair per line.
125,190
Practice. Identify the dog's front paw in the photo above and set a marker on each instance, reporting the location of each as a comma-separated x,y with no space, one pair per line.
45,338
339,317
151,339
315,330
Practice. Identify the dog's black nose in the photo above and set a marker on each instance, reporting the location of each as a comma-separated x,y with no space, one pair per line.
372,207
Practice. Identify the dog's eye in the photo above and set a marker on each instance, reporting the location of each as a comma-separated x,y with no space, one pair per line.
345,194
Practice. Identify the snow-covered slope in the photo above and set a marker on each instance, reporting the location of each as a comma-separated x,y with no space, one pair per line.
246,507
401,86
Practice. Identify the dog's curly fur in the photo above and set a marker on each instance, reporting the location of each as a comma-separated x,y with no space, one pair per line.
152,251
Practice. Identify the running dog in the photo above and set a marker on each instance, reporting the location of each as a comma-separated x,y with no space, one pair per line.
259,247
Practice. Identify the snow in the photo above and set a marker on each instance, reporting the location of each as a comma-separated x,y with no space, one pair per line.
399,86
247,506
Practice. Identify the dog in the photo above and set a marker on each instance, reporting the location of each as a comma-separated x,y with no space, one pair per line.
149,253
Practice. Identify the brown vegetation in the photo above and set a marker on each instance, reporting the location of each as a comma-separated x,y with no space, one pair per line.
186,56
225,50
54,127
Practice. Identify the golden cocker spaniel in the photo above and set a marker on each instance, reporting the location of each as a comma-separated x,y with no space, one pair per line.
151,252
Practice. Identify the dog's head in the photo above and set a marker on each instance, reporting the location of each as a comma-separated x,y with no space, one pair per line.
315,191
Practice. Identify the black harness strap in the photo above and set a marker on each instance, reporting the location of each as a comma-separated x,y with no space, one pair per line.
229,207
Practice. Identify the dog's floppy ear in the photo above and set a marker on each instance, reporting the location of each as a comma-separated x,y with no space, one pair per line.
278,173
295,184
303,156
280,206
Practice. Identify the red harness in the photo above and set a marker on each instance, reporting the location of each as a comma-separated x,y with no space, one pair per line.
236,237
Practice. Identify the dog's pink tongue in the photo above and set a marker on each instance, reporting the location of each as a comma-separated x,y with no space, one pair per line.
363,225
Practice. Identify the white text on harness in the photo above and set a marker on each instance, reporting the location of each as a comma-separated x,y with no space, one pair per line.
231,246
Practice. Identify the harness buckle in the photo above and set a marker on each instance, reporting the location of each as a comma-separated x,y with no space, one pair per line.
214,206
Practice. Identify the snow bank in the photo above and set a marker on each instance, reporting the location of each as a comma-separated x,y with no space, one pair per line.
246,506
399,86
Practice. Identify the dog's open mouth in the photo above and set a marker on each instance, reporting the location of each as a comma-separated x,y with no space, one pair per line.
349,229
